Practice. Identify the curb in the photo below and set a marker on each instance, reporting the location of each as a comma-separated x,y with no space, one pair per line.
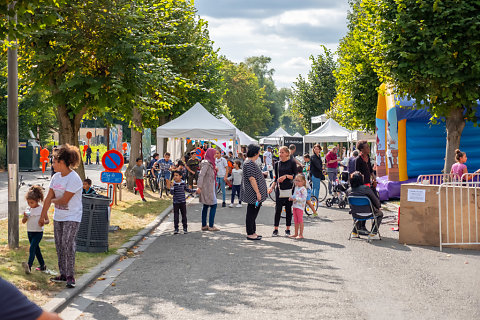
64,297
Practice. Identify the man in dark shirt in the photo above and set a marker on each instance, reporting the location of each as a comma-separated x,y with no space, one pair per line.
192,168
14,305
352,162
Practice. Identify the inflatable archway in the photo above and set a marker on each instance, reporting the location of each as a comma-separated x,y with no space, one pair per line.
409,145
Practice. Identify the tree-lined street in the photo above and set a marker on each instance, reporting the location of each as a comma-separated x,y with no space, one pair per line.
204,275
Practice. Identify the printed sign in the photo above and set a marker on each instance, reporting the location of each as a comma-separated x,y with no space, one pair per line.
416,195
111,177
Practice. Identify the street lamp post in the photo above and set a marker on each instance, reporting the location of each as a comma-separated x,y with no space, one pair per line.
12,141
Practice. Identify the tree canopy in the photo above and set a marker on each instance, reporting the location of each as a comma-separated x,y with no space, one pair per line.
314,95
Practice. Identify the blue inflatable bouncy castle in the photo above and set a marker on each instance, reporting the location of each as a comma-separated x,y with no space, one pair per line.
409,145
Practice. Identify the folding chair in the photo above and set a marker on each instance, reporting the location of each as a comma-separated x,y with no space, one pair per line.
366,213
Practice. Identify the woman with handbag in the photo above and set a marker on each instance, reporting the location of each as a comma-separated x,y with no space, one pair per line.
206,189
285,170
316,170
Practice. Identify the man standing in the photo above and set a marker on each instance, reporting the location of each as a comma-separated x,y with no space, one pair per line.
89,155
192,168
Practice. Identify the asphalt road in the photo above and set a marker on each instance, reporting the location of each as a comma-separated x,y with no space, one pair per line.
36,177
205,275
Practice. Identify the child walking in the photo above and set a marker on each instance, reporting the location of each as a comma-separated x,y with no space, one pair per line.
97,161
138,170
179,202
236,178
35,232
299,199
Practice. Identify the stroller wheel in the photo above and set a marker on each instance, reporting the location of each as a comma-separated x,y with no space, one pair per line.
328,203
342,204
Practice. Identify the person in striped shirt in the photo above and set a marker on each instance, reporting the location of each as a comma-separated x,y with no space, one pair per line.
179,201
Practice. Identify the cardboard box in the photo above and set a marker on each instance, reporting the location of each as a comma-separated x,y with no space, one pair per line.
419,223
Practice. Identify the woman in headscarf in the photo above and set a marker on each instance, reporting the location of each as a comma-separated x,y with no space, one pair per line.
206,189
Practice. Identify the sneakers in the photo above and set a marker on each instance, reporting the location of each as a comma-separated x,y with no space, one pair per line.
40,268
176,231
230,205
239,205
224,205
213,229
275,233
27,268
185,231
287,233
315,215
144,200
59,278
70,282
355,235
205,228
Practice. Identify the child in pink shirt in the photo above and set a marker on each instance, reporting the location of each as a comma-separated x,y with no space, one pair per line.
299,199
459,168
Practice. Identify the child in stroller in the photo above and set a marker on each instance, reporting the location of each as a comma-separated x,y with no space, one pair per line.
339,195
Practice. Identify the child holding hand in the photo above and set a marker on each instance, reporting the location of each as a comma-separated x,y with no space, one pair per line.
34,230
299,199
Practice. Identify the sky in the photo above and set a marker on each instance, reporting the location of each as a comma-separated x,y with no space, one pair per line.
287,31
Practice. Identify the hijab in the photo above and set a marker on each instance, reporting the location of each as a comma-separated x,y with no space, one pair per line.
210,156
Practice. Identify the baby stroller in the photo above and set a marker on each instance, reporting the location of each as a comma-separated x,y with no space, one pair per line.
339,195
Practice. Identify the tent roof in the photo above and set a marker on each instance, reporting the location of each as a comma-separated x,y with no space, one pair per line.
280,132
319,119
297,134
244,138
197,123
330,131
275,137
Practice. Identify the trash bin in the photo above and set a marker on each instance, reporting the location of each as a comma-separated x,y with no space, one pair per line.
93,233
29,155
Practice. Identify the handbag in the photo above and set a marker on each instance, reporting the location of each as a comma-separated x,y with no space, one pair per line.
287,193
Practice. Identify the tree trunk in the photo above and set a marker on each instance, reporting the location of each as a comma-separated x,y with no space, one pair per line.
135,146
455,123
68,131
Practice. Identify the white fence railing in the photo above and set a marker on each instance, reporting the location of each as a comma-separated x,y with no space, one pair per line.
459,212
437,179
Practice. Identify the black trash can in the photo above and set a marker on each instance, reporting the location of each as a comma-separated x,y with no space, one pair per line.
93,233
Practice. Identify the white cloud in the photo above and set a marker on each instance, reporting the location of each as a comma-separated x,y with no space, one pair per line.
289,37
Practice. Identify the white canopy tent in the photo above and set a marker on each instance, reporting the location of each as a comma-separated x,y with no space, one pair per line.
319,119
196,124
275,137
330,131
243,138
360,135
297,135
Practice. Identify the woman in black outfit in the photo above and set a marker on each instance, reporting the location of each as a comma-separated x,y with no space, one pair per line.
316,170
285,170
254,190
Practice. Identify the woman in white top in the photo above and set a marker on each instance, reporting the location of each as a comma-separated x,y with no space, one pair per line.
66,195
221,165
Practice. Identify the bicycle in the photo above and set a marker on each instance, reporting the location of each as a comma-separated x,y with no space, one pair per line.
162,185
151,181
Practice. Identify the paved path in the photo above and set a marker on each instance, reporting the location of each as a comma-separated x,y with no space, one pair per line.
222,275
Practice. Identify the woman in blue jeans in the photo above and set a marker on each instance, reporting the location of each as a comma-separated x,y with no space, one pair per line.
316,170
206,189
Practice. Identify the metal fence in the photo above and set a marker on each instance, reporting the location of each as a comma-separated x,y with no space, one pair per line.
459,212
437,179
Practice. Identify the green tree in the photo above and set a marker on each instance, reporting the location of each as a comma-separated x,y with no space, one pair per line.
356,81
113,57
244,98
274,98
429,50
314,95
